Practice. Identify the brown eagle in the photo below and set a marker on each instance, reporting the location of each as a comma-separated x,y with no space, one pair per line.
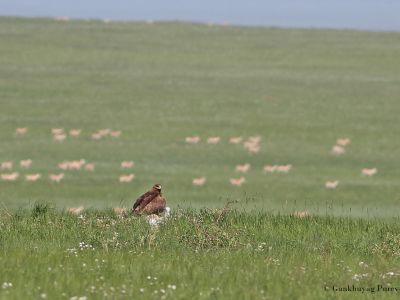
151,202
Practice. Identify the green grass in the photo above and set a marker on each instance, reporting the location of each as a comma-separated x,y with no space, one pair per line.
299,90
208,254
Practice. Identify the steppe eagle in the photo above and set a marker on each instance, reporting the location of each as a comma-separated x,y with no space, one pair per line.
151,202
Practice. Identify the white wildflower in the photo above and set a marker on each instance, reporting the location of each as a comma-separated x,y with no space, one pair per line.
389,274
6,285
357,277
172,286
363,264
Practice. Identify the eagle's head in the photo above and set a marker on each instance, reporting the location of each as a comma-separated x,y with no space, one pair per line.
157,187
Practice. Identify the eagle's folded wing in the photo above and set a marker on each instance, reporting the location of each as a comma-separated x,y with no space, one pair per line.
140,200
143,200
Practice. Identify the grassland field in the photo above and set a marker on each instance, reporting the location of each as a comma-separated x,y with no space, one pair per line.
298,89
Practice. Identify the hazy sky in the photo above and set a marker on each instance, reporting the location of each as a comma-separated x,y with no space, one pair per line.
358,14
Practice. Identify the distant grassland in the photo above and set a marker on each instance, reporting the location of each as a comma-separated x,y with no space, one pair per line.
299,90
207,254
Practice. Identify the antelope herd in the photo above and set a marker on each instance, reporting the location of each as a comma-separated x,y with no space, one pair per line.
252,145
64,165
60,135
